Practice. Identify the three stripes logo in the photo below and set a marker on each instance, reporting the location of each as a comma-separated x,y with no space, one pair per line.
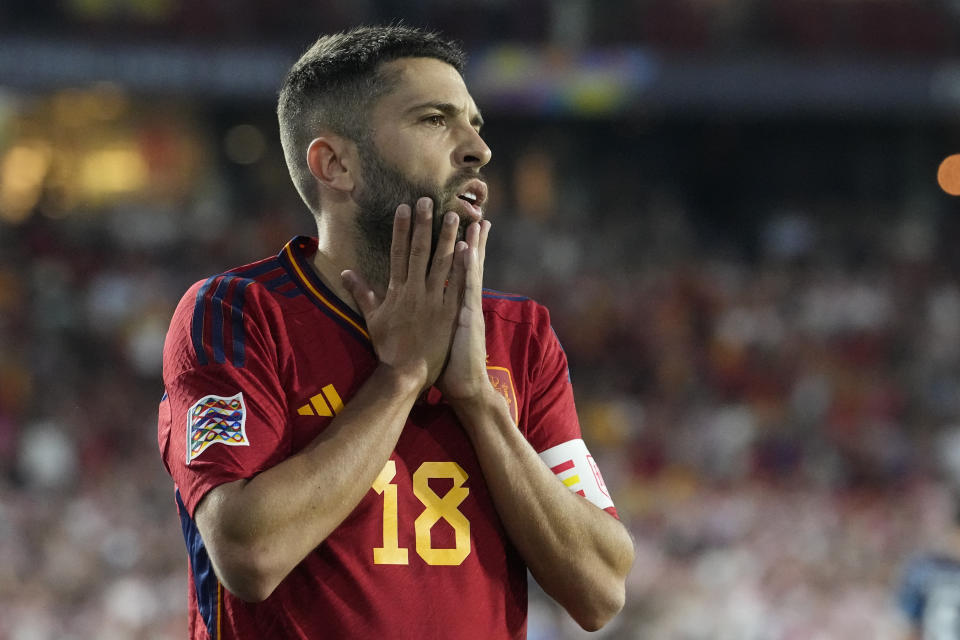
326,403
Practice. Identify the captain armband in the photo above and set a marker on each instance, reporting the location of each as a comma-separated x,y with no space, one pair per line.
572,463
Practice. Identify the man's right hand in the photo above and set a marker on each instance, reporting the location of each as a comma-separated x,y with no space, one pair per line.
256,530
411,327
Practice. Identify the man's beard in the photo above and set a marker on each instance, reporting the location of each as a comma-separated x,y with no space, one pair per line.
383,189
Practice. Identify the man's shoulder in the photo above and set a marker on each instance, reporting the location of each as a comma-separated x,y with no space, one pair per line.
268,272
266,279
258,290
514,308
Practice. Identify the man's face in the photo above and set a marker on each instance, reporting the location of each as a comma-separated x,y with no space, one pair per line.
425,142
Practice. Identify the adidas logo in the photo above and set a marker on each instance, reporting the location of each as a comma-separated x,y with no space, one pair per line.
325,403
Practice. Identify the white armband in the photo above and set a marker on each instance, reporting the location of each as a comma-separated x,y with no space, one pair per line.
573,464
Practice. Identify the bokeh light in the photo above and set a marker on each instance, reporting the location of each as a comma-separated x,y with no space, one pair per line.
948,174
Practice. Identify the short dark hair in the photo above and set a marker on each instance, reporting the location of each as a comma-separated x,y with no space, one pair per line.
335,83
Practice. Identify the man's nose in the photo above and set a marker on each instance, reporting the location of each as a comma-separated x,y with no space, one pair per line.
473,151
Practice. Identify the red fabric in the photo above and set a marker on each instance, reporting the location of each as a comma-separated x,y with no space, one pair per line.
294,345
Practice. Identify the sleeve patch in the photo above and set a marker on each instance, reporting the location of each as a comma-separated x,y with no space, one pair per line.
572,463
216,420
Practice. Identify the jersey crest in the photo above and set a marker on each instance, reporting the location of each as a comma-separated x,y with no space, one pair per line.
502,382
216,420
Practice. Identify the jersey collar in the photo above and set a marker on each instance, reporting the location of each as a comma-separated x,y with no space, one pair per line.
296,258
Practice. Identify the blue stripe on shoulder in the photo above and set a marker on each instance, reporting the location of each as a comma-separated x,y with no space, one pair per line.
204,579
257,270
196,328
499,295
217,302
277,282
217,305
239,333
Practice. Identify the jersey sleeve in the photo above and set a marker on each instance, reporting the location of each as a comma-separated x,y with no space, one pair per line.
551,414
223,416
552,425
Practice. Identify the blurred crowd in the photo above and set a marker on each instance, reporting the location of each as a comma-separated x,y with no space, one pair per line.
763,327
764,393
770,411
891,27
771,426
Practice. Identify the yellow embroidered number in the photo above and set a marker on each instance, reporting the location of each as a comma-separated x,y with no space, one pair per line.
435,509
390,552
445,508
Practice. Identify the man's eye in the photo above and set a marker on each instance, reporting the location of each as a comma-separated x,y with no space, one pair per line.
436,120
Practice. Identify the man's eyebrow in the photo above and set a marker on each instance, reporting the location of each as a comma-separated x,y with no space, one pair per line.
447,109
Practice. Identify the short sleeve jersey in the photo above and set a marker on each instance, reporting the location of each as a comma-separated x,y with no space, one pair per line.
258,361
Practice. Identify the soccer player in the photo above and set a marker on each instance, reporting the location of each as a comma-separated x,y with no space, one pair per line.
364,442
930,596
929,588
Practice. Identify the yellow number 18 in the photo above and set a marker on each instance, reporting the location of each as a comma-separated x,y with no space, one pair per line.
435,509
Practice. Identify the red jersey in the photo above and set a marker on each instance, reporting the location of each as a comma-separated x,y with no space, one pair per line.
257,362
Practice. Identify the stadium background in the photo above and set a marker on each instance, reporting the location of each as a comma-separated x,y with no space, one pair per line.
730,207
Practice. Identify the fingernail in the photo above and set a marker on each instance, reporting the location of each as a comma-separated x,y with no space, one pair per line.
424,203
403,211
451,218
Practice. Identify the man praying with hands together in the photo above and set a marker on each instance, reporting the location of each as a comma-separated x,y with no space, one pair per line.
364,442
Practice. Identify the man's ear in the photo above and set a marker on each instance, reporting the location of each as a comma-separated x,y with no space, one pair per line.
331,161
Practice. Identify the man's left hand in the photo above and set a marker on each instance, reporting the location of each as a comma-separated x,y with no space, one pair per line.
465,377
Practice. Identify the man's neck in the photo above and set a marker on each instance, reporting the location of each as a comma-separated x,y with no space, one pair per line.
336,252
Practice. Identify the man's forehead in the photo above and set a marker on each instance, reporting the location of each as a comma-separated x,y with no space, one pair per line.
426,80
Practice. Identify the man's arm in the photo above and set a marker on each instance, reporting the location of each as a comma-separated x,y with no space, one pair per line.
578,553
257,530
